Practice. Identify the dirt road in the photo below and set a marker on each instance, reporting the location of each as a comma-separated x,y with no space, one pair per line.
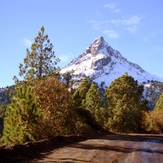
130,148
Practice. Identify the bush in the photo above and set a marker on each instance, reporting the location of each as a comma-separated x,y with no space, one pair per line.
153,121
54,101
22,117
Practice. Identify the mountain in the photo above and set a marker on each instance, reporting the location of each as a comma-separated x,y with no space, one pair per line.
103,64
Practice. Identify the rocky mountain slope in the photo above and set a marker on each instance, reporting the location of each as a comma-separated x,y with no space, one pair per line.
102,63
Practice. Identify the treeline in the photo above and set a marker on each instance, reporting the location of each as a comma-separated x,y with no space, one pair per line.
43,107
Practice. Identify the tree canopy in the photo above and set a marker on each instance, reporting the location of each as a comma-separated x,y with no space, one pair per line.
125,104
41,60
54,99
80,94
22,116
159,103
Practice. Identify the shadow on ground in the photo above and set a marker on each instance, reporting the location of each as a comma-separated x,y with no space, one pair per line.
30,151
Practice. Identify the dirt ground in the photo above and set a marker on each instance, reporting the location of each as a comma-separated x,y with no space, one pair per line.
96,148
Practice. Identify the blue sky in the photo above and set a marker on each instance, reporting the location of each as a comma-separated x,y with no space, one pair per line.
134,28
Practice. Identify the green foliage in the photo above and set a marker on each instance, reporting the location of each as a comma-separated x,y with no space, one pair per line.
159,103
2,113
93,103
125,104
81,105
22,116
2,110
67,79
80,94
93,99
41,60
87,104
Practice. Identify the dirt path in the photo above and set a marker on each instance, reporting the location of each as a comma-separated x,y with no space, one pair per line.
110,149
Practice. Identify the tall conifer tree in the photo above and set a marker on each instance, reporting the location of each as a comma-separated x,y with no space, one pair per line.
93,103
93,99
125,104
80,94
159,103
41,60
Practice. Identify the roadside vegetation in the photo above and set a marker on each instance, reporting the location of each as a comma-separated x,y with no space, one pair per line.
43,106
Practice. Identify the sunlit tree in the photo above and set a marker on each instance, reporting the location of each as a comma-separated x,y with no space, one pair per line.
54,99
125,104
22,116
41,60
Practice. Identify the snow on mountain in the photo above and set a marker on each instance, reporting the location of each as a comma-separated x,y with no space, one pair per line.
102,63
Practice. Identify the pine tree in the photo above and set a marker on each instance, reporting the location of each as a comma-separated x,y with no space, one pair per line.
2,113
93,99
93,103
22,116
68,80
83,117
2,110
41,60
79,95
125,104
159,103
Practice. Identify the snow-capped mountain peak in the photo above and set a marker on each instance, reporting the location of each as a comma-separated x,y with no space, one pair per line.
102,63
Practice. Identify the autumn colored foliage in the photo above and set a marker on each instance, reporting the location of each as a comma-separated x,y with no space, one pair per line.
54,101
45,104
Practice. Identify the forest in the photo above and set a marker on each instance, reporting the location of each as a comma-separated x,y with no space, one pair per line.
45,104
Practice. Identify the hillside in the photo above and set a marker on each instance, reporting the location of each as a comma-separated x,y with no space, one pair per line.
103,64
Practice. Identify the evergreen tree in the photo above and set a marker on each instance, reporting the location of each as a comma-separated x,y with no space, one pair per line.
22,116
93,103
93,99
2,113
125,104
80,94
41,60
84,118
2,110
68,80
159,103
